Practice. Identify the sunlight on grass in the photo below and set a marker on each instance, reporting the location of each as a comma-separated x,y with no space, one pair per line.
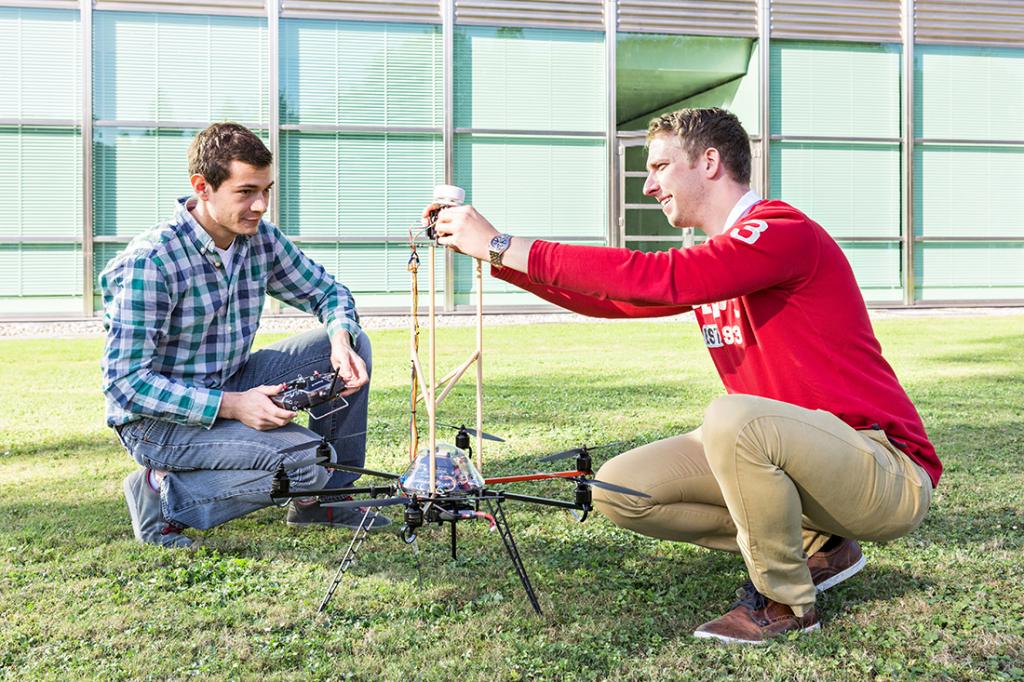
80,599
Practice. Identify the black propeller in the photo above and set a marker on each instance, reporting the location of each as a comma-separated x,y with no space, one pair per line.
564,454
472,432
593,482
364,472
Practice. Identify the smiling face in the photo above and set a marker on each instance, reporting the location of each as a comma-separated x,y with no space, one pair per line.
236,206
675,182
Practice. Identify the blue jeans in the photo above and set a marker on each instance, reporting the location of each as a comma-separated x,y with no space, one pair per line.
224,472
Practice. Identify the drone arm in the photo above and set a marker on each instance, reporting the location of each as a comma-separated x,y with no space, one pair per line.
561,504
372,491
534,477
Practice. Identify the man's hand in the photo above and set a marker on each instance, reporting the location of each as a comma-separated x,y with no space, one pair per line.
463,228
351,368
254,408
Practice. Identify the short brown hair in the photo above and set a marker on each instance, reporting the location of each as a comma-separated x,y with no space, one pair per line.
213,150
699,129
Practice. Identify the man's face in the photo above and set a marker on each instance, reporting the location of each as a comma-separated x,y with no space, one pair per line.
674,182
238,204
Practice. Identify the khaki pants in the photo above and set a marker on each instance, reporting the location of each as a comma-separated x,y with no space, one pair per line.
771,481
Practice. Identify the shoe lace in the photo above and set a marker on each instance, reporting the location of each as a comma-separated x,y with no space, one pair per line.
750,597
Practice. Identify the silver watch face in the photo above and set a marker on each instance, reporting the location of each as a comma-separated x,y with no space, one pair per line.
500,242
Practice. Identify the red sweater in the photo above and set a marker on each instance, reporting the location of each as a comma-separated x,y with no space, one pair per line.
778,306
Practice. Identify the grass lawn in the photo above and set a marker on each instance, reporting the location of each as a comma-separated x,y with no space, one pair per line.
79,598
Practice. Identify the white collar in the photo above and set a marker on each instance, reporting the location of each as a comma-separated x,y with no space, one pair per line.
741,208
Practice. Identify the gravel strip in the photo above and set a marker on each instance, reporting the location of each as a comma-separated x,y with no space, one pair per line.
283,324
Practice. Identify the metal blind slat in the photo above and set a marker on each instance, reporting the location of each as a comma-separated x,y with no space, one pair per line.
722,18
540,13
856,20
413,11
970,22
218,7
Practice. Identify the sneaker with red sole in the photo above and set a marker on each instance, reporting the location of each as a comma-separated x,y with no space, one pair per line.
148,522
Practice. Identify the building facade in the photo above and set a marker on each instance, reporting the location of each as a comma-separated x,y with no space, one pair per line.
896,124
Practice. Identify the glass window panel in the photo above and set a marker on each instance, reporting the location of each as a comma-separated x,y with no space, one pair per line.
530,79
40,270
137,176
849,189
968,190
969,270
564,182
41,182
835,89
876,266
336,73
374,268
180,68
635,192
357,184
968,93
40,64
650,222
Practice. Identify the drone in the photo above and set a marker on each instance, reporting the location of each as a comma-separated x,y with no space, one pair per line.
442,484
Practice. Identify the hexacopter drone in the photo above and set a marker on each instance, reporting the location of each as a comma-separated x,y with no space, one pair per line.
442,484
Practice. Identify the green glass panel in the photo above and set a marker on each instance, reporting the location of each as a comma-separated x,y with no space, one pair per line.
636,158
835,89
968,190
635,192
969,270
530,79
40,64
40,270
375,268
357,184
41,182
651,245
650,222
180,68
968,93
533,187
875,265
852,190
103,253
336,73
137,176
657,74
536,186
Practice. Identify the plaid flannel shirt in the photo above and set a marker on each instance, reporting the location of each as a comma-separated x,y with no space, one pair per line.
180,322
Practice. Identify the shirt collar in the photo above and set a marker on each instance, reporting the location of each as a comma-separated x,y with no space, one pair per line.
200,237
741,208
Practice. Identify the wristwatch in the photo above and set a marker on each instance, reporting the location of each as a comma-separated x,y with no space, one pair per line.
499,245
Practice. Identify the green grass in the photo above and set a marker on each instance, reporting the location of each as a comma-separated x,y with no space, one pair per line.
80,599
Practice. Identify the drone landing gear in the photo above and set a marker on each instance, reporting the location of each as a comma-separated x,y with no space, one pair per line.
513,553
350,555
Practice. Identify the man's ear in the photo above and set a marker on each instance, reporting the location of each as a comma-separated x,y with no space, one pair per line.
712,161
200,186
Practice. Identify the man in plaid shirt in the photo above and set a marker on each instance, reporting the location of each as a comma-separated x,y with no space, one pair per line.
186,396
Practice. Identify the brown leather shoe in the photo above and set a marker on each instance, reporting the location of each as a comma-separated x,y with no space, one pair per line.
828,569
755,619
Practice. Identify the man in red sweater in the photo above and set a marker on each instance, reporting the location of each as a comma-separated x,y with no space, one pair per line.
816,442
